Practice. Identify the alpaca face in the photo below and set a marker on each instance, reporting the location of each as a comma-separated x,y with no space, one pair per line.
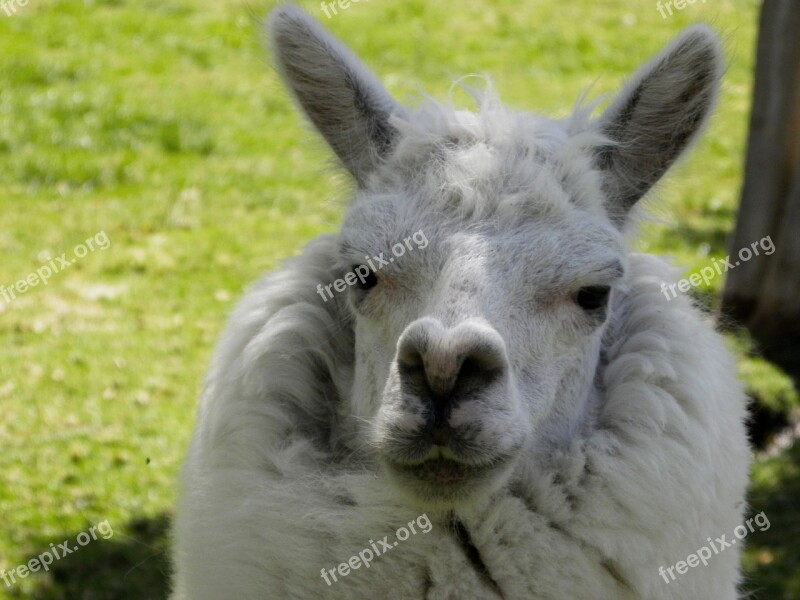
486,339
485,342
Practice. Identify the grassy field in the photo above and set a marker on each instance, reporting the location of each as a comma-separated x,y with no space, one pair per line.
161,124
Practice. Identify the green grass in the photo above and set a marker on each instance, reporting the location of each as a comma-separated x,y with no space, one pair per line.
160,123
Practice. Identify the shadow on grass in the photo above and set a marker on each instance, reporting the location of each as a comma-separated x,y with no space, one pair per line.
772,559
133,563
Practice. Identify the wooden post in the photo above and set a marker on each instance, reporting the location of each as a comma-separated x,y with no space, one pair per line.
764,292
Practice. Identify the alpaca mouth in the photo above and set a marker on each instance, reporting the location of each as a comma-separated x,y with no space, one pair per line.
442,476
445,468
442,471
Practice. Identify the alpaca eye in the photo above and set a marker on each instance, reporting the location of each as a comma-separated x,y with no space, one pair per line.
365,282
593,297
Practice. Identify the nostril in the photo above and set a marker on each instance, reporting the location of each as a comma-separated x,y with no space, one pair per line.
411,366
410,360
411,349
486,355
475,374
472,367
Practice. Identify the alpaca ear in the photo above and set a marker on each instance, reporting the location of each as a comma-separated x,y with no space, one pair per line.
345,102
657,115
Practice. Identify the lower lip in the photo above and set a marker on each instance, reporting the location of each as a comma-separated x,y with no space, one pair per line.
441,471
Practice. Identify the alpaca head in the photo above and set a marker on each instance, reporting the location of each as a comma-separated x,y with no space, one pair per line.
484,339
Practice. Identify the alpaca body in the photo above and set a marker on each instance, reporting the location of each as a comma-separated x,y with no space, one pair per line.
565,537
522,381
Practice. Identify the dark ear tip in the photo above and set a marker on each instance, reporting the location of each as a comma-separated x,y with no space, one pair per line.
701,42
285,20
700,31
286,11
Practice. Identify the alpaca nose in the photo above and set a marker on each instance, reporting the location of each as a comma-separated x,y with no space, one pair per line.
445,367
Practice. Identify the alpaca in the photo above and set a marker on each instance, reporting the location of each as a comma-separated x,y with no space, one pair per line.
518,392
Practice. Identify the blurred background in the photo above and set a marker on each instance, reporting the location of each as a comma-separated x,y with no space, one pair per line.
160,126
